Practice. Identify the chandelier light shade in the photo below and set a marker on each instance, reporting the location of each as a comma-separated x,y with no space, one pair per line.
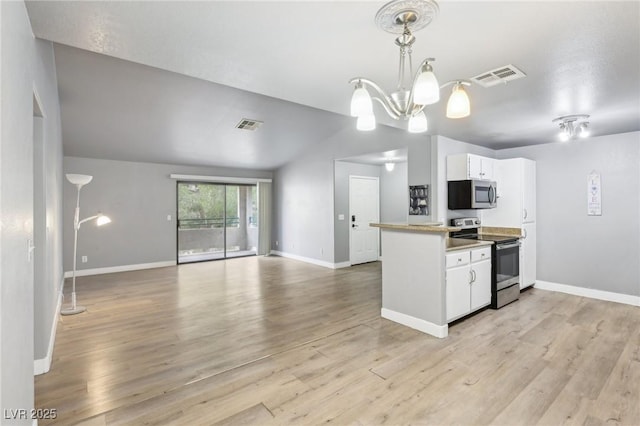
418,123
573,126
458,105
361,103
413,92
426,90
366,122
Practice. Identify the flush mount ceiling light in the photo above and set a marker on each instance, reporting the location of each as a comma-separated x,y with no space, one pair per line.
389,166
407,102
573,126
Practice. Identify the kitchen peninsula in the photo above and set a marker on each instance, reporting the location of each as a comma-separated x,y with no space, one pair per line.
414,291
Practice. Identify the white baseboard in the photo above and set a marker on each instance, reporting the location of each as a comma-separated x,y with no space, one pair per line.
591,293
440,331
123,268
312,261
43,365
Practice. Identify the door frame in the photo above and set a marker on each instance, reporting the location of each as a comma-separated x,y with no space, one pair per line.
377,180
224,233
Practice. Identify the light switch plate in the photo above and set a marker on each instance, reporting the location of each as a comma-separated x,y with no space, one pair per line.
340,217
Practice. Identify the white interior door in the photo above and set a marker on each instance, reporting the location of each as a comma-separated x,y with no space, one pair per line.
364,208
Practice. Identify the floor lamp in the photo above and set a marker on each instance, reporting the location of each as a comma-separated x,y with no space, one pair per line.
79,181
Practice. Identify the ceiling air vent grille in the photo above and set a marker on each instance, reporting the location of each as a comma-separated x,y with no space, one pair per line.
248,124
498,75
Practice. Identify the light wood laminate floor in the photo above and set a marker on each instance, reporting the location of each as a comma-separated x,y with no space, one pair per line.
267,340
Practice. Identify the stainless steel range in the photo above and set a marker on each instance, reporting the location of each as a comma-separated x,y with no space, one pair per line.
505,260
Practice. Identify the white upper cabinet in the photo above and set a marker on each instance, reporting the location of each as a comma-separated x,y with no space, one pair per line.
469,166
516,188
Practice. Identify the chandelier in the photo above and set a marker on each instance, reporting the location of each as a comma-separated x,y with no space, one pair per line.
407,102
573,126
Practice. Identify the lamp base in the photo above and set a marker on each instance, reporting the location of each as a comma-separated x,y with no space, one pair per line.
73,310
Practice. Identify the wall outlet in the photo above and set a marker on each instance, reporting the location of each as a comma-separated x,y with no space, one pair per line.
276,243
340,217
84,259
169,217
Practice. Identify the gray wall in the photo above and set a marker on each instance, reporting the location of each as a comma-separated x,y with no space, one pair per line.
26,64
341,199
598,252
137,197
304,188
394,194
394,198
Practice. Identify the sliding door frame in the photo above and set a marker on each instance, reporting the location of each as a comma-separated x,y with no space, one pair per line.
224,217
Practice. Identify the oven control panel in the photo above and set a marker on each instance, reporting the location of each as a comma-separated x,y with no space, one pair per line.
466,222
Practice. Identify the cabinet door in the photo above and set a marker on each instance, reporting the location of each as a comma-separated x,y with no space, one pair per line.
528,255
487,168
529,191
508,212
481,286
458,292
474,167
457,167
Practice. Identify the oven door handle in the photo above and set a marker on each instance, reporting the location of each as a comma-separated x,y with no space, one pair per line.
507,246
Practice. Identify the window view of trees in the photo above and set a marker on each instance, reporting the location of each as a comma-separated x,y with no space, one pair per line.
203,205
209,228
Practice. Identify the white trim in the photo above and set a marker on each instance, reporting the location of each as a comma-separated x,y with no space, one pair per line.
221,179
312,261
440,331
43,365
123,268
591,293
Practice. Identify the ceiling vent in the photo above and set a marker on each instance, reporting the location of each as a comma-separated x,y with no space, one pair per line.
248,124
499,75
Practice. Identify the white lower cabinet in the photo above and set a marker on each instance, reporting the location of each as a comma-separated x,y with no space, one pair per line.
468,281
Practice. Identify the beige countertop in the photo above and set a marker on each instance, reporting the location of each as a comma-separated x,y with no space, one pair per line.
500,232
435,227
462,244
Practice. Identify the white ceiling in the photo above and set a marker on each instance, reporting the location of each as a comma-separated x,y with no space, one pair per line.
579,57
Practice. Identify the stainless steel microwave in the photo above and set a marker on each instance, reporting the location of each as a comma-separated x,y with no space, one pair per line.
472,194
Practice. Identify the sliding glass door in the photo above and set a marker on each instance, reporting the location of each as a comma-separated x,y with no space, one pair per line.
216,221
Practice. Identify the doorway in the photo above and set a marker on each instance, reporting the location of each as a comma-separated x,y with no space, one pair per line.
364,208
216,221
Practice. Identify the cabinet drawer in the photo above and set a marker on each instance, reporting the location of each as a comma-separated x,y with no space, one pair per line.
481,254
458,258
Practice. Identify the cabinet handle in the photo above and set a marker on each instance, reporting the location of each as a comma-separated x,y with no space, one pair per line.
524,234
474,275
525,213
470,276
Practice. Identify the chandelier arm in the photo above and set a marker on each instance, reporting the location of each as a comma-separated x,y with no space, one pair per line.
385,100
387,107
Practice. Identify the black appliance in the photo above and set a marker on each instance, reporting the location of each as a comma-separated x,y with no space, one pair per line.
471,194
505,260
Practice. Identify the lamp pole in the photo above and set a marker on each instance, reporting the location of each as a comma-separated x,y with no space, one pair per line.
75,309
79,181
